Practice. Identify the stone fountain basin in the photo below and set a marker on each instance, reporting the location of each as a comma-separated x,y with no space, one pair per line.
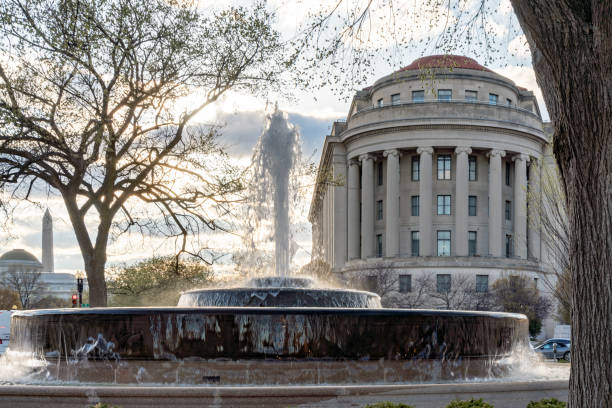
168,333
280,297
256,345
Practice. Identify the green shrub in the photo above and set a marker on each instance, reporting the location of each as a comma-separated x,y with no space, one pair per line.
547,403
387,404
471,403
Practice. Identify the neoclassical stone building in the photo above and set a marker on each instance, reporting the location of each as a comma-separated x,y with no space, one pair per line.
431,175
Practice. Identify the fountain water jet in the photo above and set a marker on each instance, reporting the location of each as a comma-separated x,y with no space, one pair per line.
276,155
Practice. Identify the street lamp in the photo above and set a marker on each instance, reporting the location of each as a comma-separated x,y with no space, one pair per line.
79,278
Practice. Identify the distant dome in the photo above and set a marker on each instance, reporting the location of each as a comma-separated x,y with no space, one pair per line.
445,61
18,255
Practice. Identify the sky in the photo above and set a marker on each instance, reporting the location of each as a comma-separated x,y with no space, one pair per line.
311,111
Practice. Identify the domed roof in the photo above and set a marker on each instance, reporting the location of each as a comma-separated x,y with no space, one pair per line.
445,61
18,255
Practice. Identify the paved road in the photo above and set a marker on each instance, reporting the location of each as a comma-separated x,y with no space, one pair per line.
500,394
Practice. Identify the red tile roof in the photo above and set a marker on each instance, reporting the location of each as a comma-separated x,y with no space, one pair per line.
445,61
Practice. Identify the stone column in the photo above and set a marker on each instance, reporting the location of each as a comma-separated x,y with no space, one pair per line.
520,205
461,201
393,192
533,216
367,206
425,197
354,229
495,202
340,210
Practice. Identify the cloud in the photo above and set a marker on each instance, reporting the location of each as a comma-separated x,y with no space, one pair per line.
242,130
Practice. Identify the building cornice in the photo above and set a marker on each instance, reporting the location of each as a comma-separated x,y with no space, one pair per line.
350,135
510,264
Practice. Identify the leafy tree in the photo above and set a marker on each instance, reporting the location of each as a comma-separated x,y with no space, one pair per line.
516,295
156,281
91,108
8,299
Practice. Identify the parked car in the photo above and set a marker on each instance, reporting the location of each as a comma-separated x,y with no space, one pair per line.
547,349
5,329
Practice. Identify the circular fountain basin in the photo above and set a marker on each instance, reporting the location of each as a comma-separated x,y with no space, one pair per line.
276,291
279,297
255,345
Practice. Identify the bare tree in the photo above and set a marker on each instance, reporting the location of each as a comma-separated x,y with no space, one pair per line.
549,203
516,295
418,296
457,295
27,284
92,106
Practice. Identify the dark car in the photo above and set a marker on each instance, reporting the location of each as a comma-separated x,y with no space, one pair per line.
548,350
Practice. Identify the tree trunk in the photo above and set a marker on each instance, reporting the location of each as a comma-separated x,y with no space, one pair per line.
94,258
95,279
571,46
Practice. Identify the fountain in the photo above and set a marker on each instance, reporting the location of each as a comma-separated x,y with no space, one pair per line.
278,330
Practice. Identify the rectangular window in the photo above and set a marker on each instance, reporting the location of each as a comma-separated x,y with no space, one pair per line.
395,99
379,248
472,169
416,168
471,96
509,249
472,206
444,205
444,167
379,173
415,206
405,283
471,243
492,99
445,95
482,283
415,238
379,210
508,172
418,96
379,102
508,210
508,101
444,243
443,283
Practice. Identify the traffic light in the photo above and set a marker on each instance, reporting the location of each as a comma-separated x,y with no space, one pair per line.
74,300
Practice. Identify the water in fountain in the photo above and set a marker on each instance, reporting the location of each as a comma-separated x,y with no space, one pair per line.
275,159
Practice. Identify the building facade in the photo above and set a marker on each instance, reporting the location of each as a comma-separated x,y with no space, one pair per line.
429,174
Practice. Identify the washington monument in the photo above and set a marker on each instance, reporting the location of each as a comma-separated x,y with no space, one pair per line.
47,242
